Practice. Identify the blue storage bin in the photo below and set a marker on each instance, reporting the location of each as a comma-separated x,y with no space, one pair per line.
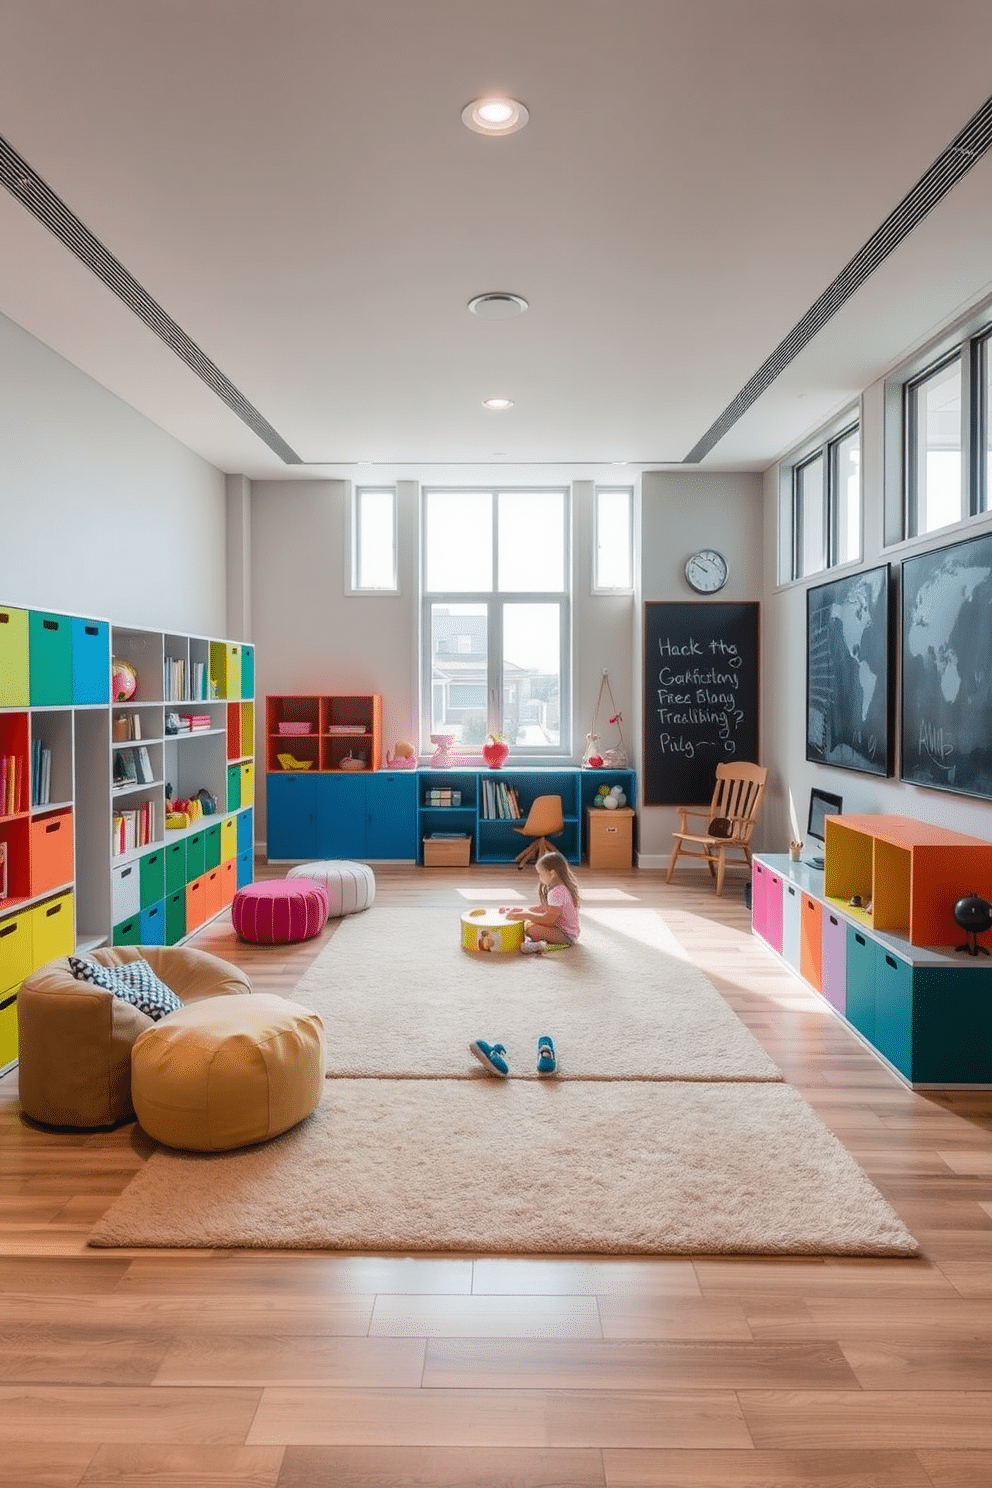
248,671
90,661
245,869
153,924
245,843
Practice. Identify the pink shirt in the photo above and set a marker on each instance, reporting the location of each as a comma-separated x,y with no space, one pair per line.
560,898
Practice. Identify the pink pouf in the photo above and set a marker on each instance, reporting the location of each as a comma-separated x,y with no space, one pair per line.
280,910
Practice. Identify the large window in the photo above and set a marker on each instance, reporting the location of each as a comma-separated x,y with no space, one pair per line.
823,496
496,618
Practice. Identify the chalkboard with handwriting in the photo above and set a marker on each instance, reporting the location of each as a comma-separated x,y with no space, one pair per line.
700,697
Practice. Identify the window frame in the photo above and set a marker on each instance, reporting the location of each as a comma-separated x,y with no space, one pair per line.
824,446
496,601
354,545
612,490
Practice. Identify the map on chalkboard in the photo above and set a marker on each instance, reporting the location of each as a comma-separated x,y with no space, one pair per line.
700,696
946,670
848,696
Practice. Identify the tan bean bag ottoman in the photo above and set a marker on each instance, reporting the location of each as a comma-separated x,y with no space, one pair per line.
75,1039
228,1073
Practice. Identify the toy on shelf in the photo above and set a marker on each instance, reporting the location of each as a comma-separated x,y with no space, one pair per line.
495,751
610,797
354,762
403,757
288,762
123,680
610,759
441,758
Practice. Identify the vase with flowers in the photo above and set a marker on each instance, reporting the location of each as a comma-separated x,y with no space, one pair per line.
495,751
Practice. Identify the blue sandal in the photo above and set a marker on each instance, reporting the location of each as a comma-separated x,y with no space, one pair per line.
491,1056
546,1062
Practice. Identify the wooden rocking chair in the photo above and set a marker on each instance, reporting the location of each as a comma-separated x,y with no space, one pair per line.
730,820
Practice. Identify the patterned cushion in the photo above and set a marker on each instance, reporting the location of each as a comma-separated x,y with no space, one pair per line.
134,982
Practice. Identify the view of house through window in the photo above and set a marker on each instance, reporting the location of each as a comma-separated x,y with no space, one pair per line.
495,617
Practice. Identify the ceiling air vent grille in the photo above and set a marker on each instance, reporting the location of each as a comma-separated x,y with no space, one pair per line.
960,155
39,199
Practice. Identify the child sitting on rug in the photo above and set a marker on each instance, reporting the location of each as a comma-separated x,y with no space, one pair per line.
554,923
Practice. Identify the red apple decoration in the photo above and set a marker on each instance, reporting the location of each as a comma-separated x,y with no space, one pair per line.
595,762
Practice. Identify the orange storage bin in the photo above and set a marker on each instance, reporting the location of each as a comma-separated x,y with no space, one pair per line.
212,890
228,880
52,857
196,903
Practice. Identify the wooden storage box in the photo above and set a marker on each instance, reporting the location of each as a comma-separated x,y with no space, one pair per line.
610,837
447,852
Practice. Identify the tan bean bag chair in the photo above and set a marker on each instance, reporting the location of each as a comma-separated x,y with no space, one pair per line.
75,1039
227,1073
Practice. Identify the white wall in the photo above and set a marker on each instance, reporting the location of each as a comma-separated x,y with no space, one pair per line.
311,636
682,511
101,512
784,690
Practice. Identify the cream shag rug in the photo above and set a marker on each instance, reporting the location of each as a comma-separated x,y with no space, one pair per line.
400,998
505,1166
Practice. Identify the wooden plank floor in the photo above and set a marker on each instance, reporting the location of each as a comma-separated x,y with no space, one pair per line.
151,1369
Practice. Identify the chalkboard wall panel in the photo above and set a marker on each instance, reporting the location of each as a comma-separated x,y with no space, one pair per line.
848,696
700,697
946,672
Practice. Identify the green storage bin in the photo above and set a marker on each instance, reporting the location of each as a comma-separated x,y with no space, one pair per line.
128,932
175,916
233,787
248,671
211,848
195,856
50,659
152,877
175,865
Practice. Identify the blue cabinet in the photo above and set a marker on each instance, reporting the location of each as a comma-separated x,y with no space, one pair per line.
337,815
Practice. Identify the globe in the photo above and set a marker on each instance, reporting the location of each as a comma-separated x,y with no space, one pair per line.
123,681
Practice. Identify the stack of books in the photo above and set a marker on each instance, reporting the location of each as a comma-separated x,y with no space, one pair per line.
11,784
500,801
131,829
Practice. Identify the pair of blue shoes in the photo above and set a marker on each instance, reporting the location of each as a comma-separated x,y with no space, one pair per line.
493,1056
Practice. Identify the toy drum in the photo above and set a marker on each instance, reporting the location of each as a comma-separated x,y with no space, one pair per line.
489,930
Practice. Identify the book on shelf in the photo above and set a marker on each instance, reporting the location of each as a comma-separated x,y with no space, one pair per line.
3,870
144,765
12,768
125,768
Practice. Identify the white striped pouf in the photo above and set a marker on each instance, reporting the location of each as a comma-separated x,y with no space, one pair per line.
350,886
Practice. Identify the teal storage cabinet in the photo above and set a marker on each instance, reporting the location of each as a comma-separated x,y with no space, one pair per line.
893,1037
50,659
151,870
860,990
211,847
341,809
175,916
175,865
196,862
391,814
248,671
952,1025
245,869
245,843
152,922
90,661
233,787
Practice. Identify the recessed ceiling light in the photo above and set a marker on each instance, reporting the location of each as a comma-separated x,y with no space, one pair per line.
495,116
497,403
497,305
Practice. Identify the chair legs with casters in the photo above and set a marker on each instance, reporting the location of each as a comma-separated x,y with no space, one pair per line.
544,820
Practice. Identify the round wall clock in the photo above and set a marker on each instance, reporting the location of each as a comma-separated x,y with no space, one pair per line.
706,571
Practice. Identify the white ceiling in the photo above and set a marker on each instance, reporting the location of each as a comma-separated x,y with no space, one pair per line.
291,181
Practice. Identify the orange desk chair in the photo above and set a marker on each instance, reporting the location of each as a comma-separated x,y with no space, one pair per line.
544,820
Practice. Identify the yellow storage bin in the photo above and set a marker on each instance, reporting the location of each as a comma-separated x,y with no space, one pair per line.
15,686
248,784
53,929
8,1029
228,838
16,950
225,668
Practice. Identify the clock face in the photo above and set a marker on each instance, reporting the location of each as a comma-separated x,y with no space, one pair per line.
707,571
